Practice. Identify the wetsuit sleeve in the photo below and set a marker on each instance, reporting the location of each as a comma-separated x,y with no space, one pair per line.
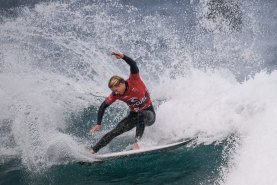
133,65
111,98
101,111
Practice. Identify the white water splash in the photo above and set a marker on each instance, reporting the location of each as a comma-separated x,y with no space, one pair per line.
55,57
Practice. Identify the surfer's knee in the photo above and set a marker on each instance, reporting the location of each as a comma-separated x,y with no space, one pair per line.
149,118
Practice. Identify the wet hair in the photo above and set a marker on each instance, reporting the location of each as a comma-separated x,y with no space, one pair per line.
115,81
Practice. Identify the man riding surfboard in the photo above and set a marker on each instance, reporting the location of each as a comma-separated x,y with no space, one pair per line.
135,94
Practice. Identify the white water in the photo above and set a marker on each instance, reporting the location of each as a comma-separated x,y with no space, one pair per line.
55,58
254,162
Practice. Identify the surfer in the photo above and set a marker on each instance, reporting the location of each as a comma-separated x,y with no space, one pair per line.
134,93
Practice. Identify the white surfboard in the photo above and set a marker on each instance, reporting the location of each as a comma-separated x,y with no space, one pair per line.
116,155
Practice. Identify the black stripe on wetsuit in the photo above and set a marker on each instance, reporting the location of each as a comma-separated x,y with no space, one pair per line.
134,70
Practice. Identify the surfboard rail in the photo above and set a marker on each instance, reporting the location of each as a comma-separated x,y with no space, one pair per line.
143,151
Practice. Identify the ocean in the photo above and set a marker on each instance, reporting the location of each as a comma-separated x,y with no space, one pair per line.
210,67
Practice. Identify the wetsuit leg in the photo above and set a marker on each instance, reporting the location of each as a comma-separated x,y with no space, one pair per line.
139,131
123,126
147,118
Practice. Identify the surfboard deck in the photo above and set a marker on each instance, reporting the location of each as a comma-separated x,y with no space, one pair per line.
143,151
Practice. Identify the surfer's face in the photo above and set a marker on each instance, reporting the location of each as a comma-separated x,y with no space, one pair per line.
120,89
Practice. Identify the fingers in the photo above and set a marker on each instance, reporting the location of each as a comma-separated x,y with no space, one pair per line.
92,130
95,128
117,54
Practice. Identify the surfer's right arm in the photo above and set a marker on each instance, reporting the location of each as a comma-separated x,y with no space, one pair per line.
133,65
101,111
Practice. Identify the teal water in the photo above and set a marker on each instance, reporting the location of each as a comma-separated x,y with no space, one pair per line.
188,166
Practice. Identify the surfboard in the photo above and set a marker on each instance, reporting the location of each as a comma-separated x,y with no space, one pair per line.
143,151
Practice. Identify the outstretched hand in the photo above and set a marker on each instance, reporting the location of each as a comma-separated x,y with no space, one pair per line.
95,128
117,55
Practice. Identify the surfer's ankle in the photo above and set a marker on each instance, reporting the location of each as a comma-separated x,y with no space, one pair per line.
92,151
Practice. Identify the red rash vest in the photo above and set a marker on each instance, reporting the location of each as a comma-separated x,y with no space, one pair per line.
136,96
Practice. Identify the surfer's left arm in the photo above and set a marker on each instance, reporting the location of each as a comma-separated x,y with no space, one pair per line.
101,112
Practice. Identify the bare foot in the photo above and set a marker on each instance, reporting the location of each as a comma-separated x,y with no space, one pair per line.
135,146
92,151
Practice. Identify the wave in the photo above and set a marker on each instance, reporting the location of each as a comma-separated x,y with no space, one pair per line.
205,79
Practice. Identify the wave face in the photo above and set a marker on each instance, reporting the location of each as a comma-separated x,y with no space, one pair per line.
210,67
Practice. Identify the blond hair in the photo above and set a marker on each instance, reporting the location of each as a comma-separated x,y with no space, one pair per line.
115,81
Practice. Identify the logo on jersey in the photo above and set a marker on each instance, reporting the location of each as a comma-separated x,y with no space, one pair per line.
136,102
